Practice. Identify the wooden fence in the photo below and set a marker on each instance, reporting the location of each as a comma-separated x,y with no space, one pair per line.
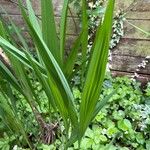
133,47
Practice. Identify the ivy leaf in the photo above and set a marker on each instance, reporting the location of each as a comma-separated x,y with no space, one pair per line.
140,139
86,143
6,147
89,133
112,131
118,115
76,93
147,144
124,125
103,138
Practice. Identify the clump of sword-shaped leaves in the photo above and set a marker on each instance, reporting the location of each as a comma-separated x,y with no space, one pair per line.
53,70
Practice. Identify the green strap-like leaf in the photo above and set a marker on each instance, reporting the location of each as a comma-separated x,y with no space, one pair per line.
96,70
84,38
33,18
7,74
57,81
19,55
71,59
2,31
63,29
49,28
42,80
103,102
10,119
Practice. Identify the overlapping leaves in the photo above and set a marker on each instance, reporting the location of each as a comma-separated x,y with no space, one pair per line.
49,66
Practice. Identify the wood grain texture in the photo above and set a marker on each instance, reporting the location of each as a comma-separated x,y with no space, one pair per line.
132,32
11,7
128,64
123,4
141,78
132,47
135,15
142,6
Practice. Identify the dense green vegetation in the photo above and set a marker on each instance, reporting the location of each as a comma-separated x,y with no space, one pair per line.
54,72
122,124
50,100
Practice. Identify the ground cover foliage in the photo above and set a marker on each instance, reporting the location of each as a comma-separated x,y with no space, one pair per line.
122,124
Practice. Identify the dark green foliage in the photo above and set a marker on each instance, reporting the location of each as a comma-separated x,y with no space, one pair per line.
48,70
125,120
122,124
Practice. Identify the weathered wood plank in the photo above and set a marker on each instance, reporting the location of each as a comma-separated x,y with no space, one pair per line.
120,4
12,8
142,6
132,32
128,64
142,77
140,11
72,27
133,47
70,39
135,15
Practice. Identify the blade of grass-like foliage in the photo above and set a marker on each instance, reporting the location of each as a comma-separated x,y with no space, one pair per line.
103,102
33,18
2,31
7,31
42,80
70,61
7,74
19,66
27,89
49,28
34,22
84,38
10,119
19,70
40,76
63,29
27,86
15,66
96,70
57,81
12,50
22,84
9,48
20,37
19,55
6,89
